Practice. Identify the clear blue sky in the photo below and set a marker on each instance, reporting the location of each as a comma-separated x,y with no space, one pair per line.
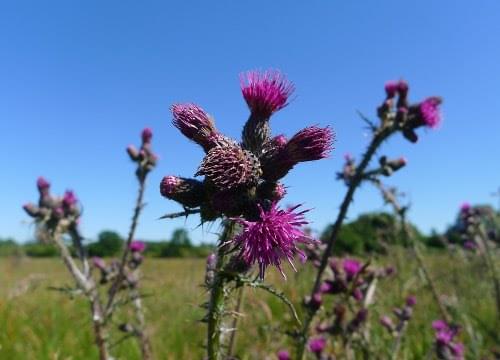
79,80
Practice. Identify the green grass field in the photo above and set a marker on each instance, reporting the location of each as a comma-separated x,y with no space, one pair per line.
37,323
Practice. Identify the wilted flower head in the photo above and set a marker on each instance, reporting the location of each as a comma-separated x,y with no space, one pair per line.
429,110
146,135
272,238
42,184
317,345
351,267
229,166
265,92
137,246
196,125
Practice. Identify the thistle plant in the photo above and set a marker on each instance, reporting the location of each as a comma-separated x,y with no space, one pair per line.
57,218
446,346
396,115
241,186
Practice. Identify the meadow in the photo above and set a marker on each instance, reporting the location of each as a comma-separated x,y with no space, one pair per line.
41,323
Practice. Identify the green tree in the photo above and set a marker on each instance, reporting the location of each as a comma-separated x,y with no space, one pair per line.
109,243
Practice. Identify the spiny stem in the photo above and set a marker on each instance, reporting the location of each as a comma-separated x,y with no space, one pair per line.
234,326
216,303
378,138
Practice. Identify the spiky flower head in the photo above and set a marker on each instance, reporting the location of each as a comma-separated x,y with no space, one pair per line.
429,111
42,184
265,92
137,246
187,192
196,125
311,143
146,135
227,167
272,237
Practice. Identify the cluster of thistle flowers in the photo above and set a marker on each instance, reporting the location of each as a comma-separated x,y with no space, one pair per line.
447,347
145,158
54,211
349,283
242,179
470,218
408,116
403,316
109,272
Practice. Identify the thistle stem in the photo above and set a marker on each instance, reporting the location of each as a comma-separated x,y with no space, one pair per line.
379,136
216,302
234,326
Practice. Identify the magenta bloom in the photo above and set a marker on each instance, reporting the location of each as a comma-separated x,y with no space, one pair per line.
429,110
351,267
195,124
458,350
280,141
169,185
271,238
311,143
411,301
391,88
465,207
146,135
42,184
284,355
69,199
439,325
137,246
317,345
265,92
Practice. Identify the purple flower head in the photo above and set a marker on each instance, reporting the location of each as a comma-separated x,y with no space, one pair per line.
69,199
279,141
317,345
265,92
470,245
273,237
99,263
391,88
444,337
326,287
429,110
147,135
411,301
229,166
137,246
458,349
169,185
311,143
42,184
196,125
439,325
403,88
351,267
465,207
284,355
316,301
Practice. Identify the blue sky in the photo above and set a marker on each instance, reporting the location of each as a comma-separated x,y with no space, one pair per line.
79,80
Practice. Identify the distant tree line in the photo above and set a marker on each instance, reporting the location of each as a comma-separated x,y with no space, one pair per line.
370,233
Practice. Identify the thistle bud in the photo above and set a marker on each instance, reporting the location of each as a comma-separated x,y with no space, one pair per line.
230,166
188,192
42,184
132,153
31,209
146,135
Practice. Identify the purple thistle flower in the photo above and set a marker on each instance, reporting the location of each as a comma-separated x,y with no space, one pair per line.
458,349
271,238
169,184
391,88
137,246
311,143
229,166
439,325
188,192
265,92
411,301
351,267
326,287
465,207
279,141
42,184
147,135
470,245
429,110
386,322
196,125
69,199
284,355
403,88
317,345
